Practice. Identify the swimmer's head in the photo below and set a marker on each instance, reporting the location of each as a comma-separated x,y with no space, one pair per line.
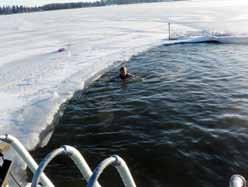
123,71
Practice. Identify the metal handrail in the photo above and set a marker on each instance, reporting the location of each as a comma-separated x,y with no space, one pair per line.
25,156
237,181
74,154
121,167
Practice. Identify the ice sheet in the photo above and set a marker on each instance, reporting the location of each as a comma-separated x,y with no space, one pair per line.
35,78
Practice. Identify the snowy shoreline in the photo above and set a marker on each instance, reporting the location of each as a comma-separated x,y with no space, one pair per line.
36,79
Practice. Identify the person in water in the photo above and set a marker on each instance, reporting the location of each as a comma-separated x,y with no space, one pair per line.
124,74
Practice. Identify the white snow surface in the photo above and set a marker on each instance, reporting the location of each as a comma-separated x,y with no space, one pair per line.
36,79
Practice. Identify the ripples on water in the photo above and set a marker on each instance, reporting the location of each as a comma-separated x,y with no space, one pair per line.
184,124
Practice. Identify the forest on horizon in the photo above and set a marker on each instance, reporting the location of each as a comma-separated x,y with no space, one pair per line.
58,6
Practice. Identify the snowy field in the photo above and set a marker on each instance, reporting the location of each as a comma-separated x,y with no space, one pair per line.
36,79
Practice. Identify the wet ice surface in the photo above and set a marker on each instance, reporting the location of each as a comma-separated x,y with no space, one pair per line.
36,78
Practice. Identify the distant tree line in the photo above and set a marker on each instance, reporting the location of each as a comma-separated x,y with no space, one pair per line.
17,9
53,6
57,6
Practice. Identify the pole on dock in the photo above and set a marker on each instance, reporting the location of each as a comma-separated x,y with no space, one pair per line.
169,30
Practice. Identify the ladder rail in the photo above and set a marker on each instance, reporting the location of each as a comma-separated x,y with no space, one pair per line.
237,181
74,154
25,156
121,167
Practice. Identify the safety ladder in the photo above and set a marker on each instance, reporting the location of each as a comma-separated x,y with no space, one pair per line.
40,179
76,157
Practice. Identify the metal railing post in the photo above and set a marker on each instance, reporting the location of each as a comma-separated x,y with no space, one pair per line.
25,156
121,167
74,154
237,181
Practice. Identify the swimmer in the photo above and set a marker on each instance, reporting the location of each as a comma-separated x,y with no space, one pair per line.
124,74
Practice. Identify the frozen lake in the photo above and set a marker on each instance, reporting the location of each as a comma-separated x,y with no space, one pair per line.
36,78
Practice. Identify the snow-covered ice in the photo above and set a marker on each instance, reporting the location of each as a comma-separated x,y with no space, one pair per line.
36,79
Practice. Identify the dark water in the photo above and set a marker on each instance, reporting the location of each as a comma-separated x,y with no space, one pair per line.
184,124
